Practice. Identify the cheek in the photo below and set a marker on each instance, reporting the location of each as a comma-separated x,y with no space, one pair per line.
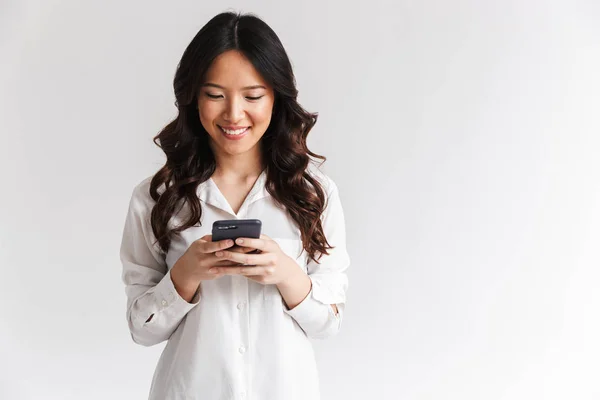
207,112
262,115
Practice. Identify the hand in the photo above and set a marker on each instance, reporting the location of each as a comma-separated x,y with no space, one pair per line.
198,264
270,266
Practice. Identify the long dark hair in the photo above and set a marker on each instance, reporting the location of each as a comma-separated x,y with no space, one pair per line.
190,160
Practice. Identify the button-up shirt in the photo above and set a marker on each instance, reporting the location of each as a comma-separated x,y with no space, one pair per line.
236,338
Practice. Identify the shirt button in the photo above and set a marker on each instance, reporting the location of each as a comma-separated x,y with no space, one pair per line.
241,305
242,349
164,302
243,394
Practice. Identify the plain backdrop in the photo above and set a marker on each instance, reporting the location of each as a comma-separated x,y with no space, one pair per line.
463,136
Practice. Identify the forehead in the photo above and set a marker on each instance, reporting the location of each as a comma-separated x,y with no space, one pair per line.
233,70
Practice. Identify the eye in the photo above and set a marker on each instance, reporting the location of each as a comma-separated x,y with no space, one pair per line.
218,96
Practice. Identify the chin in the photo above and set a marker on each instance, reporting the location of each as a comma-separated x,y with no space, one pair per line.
237,149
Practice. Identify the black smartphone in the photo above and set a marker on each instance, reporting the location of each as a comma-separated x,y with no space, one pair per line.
236,228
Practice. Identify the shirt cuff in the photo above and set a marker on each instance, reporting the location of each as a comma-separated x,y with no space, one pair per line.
169,301
312,311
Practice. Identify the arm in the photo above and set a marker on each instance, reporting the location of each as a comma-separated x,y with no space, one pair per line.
296,290
154,307
317,300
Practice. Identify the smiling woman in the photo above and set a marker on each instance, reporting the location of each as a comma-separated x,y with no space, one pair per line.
231,110
237,150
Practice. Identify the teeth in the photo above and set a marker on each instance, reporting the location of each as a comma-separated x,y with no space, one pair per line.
236,132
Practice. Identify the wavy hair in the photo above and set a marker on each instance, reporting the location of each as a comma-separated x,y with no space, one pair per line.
185,142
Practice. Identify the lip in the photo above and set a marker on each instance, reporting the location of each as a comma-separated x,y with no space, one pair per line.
235,137
233,127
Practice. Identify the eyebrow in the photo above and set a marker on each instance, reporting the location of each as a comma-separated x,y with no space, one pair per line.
244,88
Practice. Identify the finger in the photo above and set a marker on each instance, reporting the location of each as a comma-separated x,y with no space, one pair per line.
211,247
248,259
224,263
210,260
241,249
256,272
262,245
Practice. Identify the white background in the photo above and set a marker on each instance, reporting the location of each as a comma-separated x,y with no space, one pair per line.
463,136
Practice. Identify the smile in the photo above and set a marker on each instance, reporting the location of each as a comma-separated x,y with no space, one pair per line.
234,134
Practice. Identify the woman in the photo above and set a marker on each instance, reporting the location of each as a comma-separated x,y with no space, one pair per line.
237,317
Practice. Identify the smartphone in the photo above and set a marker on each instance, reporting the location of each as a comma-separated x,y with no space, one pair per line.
236,228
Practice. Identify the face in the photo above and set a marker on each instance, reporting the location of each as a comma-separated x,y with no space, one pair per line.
235,104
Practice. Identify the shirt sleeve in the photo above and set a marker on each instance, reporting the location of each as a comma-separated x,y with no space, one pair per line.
154,307
329,280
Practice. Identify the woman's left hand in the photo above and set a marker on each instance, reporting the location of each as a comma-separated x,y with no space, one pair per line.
270,266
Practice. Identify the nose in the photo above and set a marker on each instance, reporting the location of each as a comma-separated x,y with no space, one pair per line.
234,111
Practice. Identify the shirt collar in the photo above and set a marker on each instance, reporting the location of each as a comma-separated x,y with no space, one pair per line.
209,192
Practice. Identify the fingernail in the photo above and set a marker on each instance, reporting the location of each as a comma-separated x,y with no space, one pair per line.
219,254
240,241
230,243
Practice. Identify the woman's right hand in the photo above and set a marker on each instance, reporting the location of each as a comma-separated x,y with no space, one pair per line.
197,264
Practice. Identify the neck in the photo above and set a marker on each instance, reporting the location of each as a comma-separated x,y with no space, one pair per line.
239,167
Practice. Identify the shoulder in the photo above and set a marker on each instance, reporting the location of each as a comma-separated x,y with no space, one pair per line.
140,196
327,183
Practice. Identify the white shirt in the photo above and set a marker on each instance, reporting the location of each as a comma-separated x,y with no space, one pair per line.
236,339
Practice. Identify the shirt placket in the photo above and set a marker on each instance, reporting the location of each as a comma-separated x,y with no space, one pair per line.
241,287
243,318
